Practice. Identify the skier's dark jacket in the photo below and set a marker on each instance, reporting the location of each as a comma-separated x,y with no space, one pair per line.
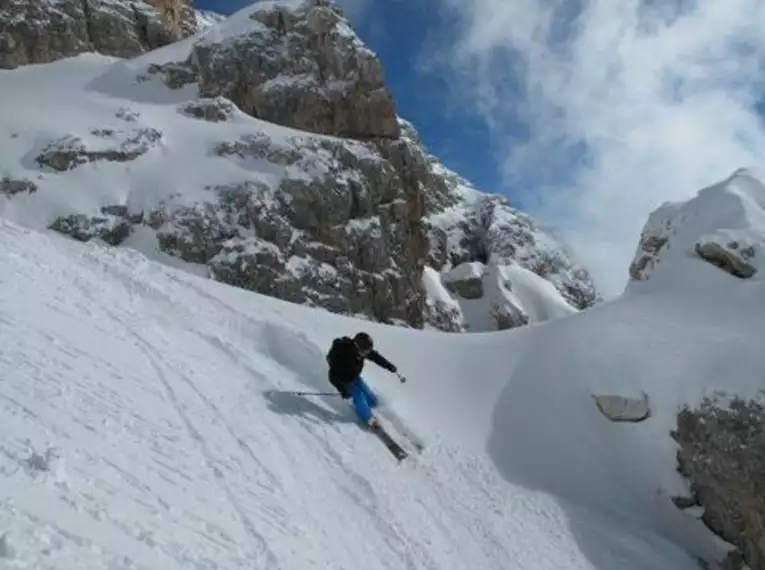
346,363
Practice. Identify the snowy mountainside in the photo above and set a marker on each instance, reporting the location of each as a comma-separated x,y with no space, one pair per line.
163,434
331,202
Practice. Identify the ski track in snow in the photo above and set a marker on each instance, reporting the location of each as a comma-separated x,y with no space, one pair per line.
166,396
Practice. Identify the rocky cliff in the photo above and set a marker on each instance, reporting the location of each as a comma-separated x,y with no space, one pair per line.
721,452
285,170
41,31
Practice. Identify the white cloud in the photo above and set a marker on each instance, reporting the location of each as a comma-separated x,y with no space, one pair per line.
653,98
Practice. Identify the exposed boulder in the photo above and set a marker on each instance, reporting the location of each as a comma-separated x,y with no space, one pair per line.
721,452
729,257
465,280
623,408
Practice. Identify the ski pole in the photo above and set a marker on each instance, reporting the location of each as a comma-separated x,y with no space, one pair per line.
334,394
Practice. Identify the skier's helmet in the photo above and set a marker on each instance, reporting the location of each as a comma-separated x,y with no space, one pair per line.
363,342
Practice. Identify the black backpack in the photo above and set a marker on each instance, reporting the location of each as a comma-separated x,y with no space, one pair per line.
343,349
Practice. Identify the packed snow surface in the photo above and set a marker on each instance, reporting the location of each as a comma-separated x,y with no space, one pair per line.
146,421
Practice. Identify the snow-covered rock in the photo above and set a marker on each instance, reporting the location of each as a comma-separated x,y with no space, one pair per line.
466,280
216,110
724,224
166,152
41,31
69,152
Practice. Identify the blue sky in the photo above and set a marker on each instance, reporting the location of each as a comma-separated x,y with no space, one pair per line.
589,114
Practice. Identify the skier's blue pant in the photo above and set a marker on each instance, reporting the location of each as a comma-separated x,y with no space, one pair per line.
364,400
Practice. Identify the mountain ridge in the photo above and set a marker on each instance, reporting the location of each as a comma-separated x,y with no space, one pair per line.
340,207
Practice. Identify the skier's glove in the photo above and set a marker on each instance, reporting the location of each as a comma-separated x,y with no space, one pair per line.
401,377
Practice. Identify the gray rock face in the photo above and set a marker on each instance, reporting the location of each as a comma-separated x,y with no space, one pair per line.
730,257
648,255
342,241
303,69
622,408
722,454
33,31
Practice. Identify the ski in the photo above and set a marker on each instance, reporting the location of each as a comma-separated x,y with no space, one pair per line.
397,451
401,429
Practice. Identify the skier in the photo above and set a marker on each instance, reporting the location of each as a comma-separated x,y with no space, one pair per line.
346,361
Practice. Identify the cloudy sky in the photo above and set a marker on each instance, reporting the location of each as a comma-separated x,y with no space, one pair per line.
587,113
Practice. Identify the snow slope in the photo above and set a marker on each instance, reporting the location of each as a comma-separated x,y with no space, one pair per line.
158,403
